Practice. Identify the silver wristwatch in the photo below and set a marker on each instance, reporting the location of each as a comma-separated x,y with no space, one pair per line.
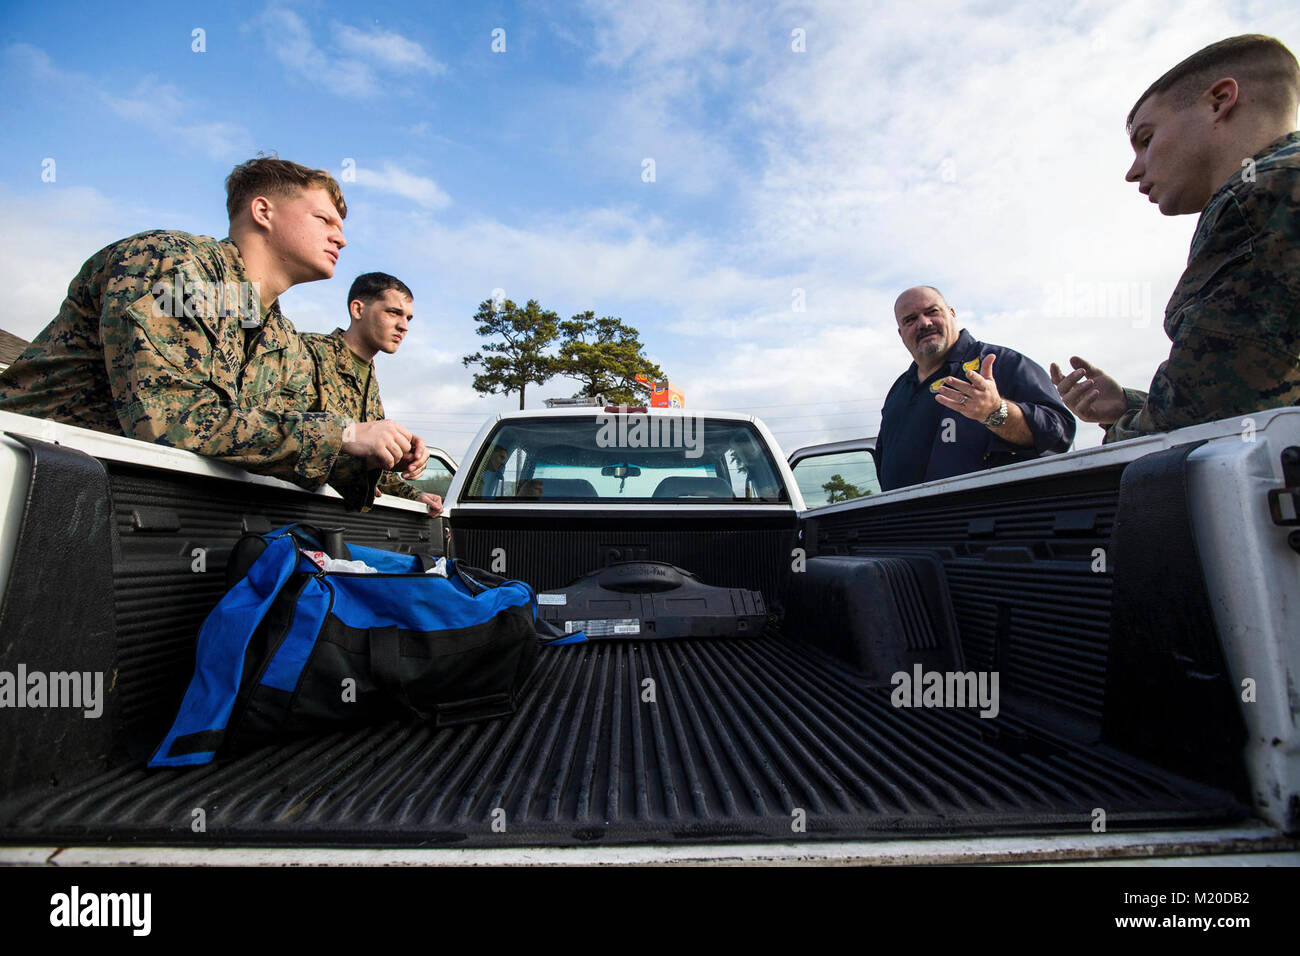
998,418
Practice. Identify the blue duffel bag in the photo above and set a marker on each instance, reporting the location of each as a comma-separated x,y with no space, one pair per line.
294,649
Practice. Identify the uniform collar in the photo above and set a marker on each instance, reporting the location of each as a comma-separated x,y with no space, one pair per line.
965,348
276,329
345,357
1204,223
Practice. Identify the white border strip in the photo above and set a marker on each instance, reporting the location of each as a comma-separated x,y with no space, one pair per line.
1249,843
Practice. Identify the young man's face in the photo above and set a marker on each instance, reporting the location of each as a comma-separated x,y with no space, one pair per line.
306,235
383,322
1172,164
926,324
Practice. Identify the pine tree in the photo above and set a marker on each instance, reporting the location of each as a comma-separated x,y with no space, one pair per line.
510,365
837,489
604,354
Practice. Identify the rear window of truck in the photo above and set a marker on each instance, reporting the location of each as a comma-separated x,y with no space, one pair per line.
634,457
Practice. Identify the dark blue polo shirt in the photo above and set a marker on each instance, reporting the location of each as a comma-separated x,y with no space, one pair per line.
910,447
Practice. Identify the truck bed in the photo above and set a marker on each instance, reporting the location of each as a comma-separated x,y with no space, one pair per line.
741,735
1115,694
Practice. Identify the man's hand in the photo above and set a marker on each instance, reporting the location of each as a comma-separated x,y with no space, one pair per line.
977,398
412,465
1090,393
433,501
382,444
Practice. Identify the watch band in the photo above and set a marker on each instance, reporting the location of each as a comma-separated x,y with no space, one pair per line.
999,418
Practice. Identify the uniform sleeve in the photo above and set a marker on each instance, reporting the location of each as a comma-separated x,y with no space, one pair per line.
394,484
354,482
391,483
1236,322
1049,421
350,477
169,385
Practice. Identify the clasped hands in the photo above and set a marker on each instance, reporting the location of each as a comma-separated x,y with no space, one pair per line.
386,444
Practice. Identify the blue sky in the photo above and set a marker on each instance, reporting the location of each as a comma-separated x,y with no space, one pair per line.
979,148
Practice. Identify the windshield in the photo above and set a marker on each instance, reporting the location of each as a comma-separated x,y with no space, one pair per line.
634,457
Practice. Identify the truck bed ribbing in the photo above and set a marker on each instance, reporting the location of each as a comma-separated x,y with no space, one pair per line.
741,736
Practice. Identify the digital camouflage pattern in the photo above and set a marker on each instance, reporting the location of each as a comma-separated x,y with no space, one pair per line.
339,390
1235,315
149,343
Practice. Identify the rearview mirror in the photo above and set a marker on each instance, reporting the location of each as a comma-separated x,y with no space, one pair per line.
621,471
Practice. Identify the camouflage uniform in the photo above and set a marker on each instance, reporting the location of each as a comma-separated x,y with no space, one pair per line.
339,390
1235,315
149,342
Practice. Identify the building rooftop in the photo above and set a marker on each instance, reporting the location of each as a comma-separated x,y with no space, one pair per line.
11,346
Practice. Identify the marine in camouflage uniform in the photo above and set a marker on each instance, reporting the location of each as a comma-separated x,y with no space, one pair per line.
340,388
151,343
1235,315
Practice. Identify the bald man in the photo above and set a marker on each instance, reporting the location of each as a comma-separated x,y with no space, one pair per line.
963,405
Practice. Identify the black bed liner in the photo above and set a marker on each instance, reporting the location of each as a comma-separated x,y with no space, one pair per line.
741,736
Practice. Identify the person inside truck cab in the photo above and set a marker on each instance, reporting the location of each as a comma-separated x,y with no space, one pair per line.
380,309
962,405
1216,136
488,482
179,339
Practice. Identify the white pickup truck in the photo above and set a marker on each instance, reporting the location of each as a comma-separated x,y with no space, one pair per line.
1086,657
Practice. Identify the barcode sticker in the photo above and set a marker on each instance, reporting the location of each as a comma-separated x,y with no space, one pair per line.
623,625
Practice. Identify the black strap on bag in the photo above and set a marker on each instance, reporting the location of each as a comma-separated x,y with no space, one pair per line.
386,665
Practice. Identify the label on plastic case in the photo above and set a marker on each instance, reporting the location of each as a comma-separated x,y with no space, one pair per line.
621,625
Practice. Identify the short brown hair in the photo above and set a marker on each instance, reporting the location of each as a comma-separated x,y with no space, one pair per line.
1260,62
371,286
271,176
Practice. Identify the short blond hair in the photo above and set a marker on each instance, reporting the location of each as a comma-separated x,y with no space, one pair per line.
272,176
1257,62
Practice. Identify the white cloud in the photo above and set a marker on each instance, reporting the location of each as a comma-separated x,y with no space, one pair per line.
176,120
171,119
352,66
34,63
391,178
45,236
649,36
392,50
